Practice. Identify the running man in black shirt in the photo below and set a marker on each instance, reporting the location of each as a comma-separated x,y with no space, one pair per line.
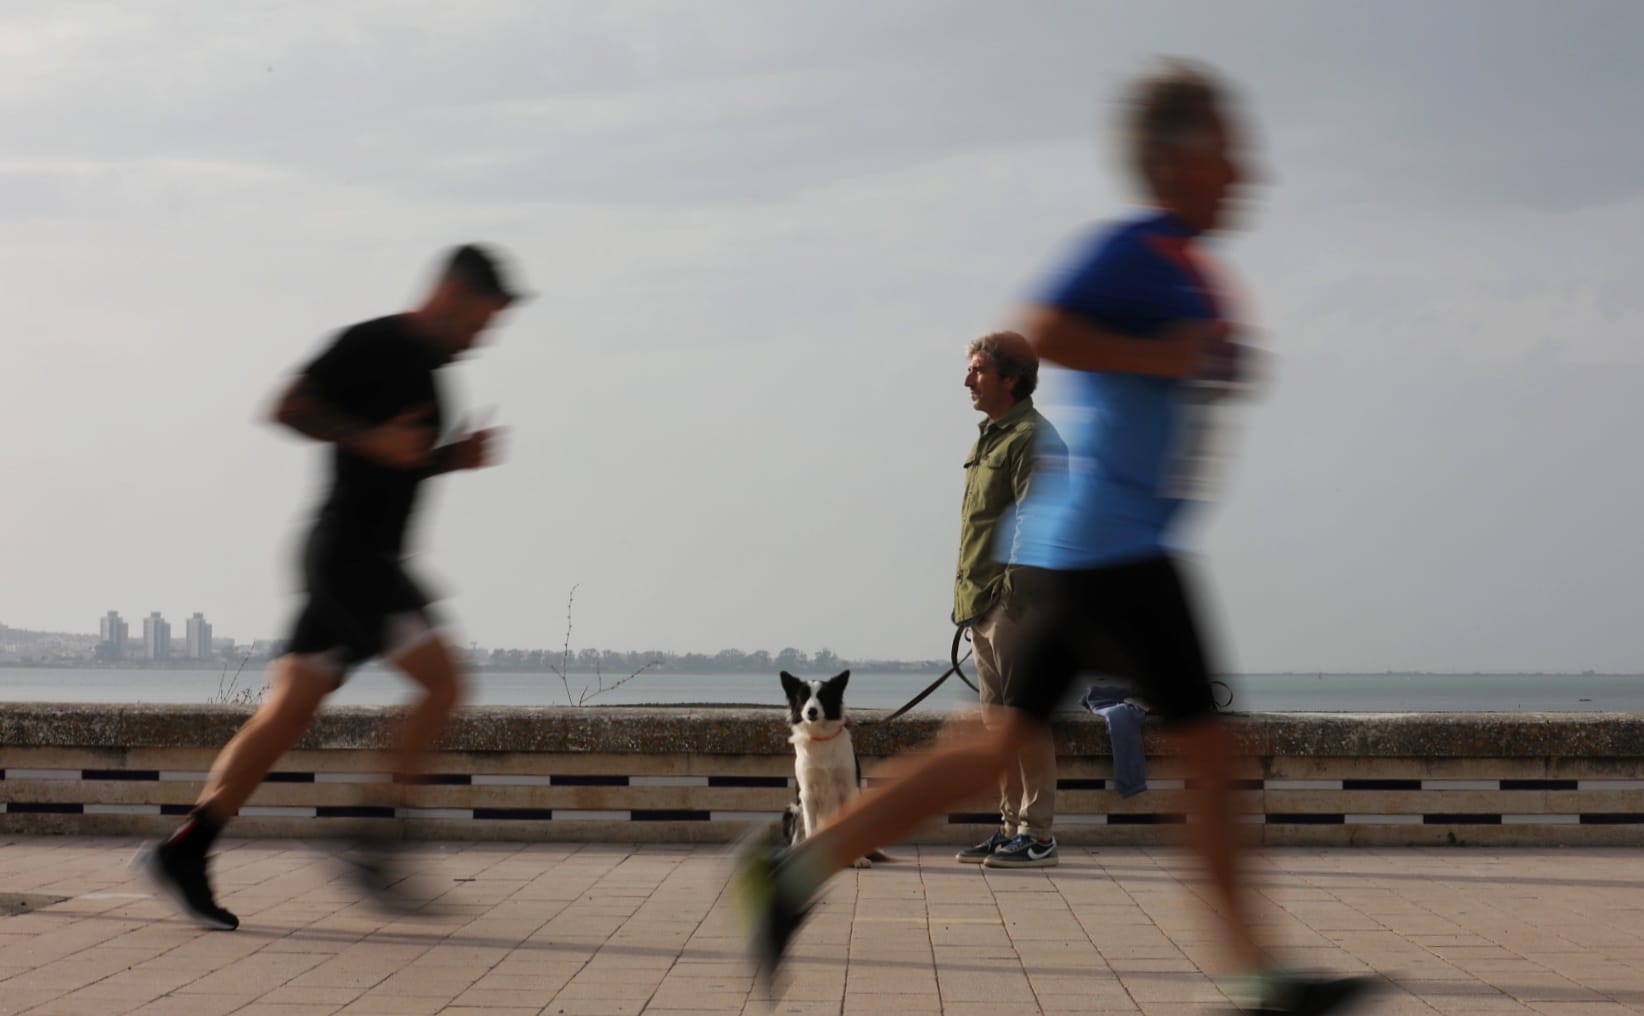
372,396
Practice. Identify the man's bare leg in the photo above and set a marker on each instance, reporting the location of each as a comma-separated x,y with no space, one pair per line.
295,693
1211,753
773,886
376,862
922,786
178,866
930,783
432,666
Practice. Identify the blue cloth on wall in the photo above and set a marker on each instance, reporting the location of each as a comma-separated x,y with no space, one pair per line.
1124,730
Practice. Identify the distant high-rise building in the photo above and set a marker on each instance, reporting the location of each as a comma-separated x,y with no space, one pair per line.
113,631
156,637
199,637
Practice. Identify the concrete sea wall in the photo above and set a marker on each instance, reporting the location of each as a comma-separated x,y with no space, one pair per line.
705,775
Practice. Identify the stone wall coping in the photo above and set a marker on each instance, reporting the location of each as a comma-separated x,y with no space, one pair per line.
711,730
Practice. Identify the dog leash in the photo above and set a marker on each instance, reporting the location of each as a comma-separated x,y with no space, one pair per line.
956,668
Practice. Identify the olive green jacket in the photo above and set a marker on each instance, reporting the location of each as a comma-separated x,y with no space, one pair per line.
998,472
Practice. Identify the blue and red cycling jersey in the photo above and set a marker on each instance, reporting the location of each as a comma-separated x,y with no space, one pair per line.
1128,435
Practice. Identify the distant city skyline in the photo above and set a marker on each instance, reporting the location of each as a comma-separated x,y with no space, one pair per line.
617,662
198,642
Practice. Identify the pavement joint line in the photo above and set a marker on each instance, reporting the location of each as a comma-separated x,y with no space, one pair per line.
645,922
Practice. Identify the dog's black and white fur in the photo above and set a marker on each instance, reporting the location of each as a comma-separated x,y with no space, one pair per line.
825,766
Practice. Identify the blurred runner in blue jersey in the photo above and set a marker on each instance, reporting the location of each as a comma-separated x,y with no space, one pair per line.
1138,318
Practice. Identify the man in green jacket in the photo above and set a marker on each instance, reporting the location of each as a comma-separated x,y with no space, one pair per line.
1015,443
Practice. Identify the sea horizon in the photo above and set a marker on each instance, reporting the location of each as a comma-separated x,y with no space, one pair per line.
1388,691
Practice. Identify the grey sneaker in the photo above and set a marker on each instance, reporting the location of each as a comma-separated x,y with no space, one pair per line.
983,850
769,910
1023,851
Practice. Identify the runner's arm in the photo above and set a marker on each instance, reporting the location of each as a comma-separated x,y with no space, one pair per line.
1070,341
401,443
301,408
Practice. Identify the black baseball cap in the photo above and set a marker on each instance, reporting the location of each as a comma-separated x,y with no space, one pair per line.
479,268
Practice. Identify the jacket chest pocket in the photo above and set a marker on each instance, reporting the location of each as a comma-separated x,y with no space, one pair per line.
987,481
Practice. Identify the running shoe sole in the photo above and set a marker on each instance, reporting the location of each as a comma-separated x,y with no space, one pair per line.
997,862
1023,858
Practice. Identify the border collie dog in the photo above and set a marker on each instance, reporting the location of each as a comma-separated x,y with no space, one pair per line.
825,766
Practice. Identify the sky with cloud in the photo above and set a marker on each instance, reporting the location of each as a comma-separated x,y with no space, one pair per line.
761,235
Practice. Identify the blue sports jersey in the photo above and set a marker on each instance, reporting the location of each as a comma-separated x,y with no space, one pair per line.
1124,432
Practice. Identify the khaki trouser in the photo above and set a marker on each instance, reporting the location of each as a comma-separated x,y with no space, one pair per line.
1027,790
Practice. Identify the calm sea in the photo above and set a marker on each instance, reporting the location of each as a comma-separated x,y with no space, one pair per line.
1353,693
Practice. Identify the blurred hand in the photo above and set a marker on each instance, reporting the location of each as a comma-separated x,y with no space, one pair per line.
477,450
1223,360
1189,342
1221,357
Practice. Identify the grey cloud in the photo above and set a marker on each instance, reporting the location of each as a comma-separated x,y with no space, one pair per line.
763,233
1473,102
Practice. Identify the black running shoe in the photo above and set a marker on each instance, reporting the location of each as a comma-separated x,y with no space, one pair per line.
378,868
769,911
1307,995
181,877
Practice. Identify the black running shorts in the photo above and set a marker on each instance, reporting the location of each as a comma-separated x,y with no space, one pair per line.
1076,621
353,603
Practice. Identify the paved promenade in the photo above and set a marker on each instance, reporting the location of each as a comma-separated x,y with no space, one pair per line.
614,929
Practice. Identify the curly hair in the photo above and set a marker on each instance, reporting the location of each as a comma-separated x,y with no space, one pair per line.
1012,357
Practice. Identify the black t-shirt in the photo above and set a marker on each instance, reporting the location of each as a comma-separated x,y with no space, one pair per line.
373,372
